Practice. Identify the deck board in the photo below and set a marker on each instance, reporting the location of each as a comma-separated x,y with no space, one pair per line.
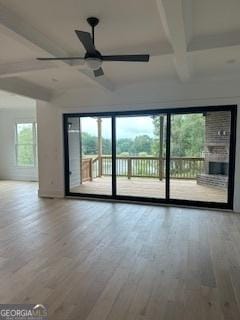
154,188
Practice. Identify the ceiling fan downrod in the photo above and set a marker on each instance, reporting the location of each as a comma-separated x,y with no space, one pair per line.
93,22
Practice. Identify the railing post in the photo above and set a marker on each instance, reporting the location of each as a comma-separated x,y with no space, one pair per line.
100,169
129,168
91,169
160,169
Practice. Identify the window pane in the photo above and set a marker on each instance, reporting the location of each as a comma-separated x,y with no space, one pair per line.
200,156
140,156
24,133
90,155
25,155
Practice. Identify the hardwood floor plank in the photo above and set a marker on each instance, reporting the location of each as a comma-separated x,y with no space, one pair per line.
112,261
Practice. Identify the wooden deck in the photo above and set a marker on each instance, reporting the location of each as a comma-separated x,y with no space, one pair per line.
148,187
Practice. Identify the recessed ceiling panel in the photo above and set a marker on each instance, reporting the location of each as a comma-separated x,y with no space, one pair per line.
13,50
159,68
219,63
215,16
123,23
58,79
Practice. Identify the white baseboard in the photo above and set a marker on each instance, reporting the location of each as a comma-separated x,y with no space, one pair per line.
50,194
21,178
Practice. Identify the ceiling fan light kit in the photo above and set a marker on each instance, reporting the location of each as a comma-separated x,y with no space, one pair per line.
93,63
94,58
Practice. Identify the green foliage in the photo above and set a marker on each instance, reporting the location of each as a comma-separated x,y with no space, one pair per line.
25,156
187,139
142,143
187,135
133,147
124,145
106,146
89,144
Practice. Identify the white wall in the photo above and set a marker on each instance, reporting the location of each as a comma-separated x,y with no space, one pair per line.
143,96
8,168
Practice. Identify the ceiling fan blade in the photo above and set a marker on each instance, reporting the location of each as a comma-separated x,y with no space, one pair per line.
99,72
86,40
128,57
60,58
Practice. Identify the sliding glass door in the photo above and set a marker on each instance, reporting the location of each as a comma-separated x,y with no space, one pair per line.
176,156
200,149
90,155
140,156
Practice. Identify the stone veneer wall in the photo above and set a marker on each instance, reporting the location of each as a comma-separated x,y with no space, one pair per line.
216,147
215,121
216,181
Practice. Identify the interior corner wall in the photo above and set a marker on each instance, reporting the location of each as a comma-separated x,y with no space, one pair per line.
8,167
50,141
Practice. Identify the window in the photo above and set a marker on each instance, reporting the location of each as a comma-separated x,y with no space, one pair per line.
26,144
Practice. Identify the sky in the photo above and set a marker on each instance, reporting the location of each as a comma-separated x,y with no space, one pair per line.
127,127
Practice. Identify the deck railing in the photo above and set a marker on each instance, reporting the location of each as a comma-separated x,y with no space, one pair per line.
147,167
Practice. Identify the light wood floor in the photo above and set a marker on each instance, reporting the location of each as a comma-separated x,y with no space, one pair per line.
105,261
149,187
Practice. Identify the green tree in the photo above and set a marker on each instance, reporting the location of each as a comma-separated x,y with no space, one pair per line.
142,143
25,156
124,145
106,146
89,144
187,135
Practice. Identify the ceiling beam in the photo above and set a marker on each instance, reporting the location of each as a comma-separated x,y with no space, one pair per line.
172,16
187,7
25,88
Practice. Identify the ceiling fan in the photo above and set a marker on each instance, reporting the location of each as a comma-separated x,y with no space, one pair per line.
94,58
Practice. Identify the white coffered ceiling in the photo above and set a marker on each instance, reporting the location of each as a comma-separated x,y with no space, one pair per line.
187,40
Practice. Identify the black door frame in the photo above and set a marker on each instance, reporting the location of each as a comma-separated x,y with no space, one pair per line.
168,112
